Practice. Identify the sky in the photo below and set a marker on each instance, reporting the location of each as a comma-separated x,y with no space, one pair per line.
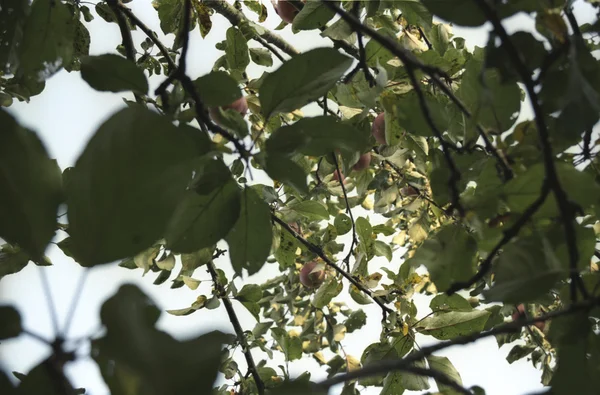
67,114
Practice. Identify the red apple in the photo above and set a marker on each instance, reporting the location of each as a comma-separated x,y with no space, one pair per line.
378,128
339,177
520,313
240,105
286,11
363,162
310,278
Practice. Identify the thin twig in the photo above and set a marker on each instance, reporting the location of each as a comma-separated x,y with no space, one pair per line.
74,301
362,57
239,331
348,210
388,365
511,232
37,337
567,212
49,301
319,252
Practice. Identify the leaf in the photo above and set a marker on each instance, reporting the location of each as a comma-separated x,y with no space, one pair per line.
12,260
31,185
526,269
10,322
251,237
313,15
217,89
443,365
127,183
204,218
454,302
47,42
382,249
113,73
250,293
12,33
197,305
392,384
134,354
414,382
311,209
237,50
261,57
343,224
302,79
204,13
317,136
415,13
449,256
170,13
284,169
446,326
326,292
460,12
356,320
291,345
519,352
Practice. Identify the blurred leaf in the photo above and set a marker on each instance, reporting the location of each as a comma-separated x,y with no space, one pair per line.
443,365
446,326
31,185
12,260
311,209
284,169
326,292
113,73
10,322
313,15
217,89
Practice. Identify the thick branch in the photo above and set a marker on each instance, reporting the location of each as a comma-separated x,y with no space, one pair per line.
316,250
235,17
237,327
567,212
389,365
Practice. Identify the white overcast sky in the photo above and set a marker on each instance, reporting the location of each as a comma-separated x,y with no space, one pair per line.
65,116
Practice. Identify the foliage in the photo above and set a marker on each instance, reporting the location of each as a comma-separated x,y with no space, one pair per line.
481,213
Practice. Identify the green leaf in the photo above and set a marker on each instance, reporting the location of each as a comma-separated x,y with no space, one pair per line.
10,36
12,260
261,57
250,293
291,345
10,322
460,12
415,13
382,249
526,269
233,121
31,185
317,136
302,79
446,326
311,209
127,183
519,352
443,365
204,13
406,112
237,50
494,103
343,224
449,256
455,302
134,355
414,382
326,292
113,73
313,15
206,215
392,384
375,53
355,321
284,169
217,89
47,42
251,237
170,13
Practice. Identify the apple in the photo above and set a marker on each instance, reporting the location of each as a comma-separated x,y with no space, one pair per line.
339,177
286,11
363,162
378,128
311,279
408,191
240,105
520,313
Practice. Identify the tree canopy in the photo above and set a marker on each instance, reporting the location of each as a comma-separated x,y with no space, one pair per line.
418,157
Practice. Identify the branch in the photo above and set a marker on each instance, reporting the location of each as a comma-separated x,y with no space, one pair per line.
511,232
317,250
438,376
388,365
348,210
201,114
362,56
236,18
239,331
126,36
410,60
567,212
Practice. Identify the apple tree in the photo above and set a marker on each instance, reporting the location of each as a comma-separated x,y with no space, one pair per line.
390,142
